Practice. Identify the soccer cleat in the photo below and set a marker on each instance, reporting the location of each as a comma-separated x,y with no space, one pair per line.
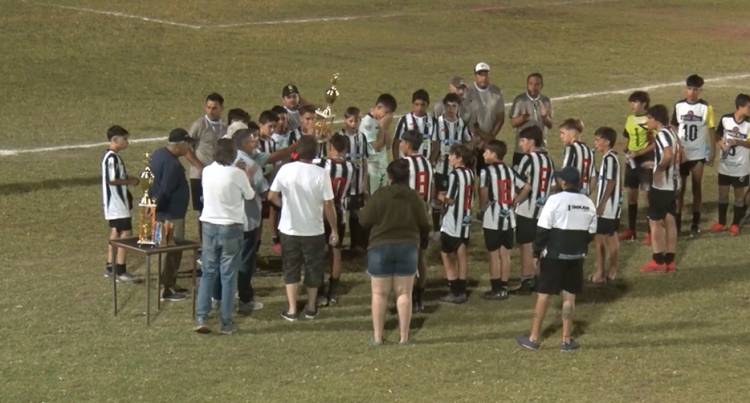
694,231
496,295
734,230
452,298
108,272
671,267
568,346
653,267
647,239
627,235
527,343
526,287
716,227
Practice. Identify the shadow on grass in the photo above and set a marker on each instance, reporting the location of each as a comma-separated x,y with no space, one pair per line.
735,339
48,184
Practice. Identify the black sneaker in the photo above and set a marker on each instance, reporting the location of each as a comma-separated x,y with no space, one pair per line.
311,314
694,231
333,299
526,287
527,343
171,295
322,301
181,290
496,295
569,346
126,278
452,298
108,272
291,317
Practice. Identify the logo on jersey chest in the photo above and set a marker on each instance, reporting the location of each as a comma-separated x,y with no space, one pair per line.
690,116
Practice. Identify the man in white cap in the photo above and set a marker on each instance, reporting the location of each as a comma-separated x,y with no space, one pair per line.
484,104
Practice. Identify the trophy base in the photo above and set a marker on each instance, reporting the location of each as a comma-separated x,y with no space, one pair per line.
146,243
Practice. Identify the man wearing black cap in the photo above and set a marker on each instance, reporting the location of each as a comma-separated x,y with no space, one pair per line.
290,99
565,227
170,189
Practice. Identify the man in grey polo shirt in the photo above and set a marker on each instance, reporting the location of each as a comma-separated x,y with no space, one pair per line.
485,105
530,109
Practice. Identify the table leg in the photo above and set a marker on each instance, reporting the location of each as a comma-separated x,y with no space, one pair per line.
192,275
158,285
148,290
114,280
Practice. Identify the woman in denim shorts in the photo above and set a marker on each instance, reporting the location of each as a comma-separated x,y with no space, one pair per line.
398,224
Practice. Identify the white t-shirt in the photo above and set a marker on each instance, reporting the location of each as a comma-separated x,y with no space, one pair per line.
303,187
370,127
225,189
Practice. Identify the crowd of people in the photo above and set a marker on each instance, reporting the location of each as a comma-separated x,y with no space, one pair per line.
439,171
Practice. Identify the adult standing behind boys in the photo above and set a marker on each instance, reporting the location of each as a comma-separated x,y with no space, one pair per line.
205,132
170,189
307,196
484,104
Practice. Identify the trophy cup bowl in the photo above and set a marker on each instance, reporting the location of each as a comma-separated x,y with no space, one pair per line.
324,117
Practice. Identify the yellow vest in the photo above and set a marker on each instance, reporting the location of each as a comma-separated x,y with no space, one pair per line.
635,127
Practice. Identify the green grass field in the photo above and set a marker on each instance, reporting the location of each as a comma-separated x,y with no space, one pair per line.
68,74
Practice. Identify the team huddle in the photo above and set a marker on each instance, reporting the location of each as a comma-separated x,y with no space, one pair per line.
464,177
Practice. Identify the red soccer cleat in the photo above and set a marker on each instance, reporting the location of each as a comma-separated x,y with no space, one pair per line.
653,267
734,230
627,235
716,227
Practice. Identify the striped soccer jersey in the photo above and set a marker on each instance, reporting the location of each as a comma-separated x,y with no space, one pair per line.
457,217
667,179
736,160
357,154
425,125
341,173
580,156
609,170
284,140
114,197
446,134
692,121
502,184
537,169
420,176
267,145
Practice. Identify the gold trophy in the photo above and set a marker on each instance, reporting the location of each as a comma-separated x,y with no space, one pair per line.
324,117
146,207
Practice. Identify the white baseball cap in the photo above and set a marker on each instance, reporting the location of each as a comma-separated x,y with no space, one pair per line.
481,66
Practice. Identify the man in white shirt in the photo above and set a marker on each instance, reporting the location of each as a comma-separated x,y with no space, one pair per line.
225,189
306,193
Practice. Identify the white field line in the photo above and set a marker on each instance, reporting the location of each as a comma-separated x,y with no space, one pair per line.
584,95
316,19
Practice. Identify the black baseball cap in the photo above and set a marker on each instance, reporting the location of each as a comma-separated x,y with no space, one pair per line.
179,135
289,89
569,175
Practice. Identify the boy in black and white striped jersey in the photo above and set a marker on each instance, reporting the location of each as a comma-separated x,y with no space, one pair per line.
498,185
419,121
577,154
342,173
356,153
456,226
283,135
537,169
608,206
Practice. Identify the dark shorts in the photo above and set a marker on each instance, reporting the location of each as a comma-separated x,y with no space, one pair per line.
607,226
517,157
340,227
637,177
450,244
303,252
734,181
661,203
525,229
556,275
688,166
121,224
393,259
495,238
196,193
441,182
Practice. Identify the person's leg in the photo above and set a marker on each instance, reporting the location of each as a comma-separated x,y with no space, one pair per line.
540,309
420,282
669,244
613,247
494,267
381,288
402,287
600,258
658,237
231,252
210,260
504,265
723,206
244,275
527,261
632,208
739,207
568,312
463,267
173,259
697,177
314,255
292,262
681,197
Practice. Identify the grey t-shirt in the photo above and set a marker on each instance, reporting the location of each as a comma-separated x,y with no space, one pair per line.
259,184
484,106
206,133
525,104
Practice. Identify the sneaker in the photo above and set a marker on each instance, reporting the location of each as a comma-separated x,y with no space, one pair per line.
716,227
526,287
171,295
291,317
452,298
333,299
734,230
246,308
311,314
125,278
322,301
180,289
276,248
228,330
496,295
694,231
627,235
108,272
568,346
653,267
527,343
201,327
671,267
647,239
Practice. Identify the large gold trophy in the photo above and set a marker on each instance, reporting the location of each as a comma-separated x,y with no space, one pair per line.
146,207
324,117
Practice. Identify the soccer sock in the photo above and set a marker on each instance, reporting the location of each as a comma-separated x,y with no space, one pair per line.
696,218
435,220
723,207
462,286
668,258
333,284
454,287
120,269
739,212
496,284
632,215
659,258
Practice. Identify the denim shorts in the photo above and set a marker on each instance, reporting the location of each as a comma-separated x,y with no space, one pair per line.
393,259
